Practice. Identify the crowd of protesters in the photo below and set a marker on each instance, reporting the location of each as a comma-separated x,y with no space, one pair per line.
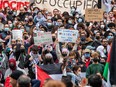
88,54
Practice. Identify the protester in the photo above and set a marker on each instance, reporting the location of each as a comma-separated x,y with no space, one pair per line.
14,77
24,81
95,67
95,81
12,67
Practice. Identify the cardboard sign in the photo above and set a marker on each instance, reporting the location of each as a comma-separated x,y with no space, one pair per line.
65,5
43,38
13,4
93,14
16,34
65,35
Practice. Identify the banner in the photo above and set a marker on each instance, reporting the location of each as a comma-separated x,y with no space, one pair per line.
65,5
93,15
16,34
43,38
65,35
14,4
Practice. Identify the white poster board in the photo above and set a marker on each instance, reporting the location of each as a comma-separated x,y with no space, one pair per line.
65,35
17,34
43,38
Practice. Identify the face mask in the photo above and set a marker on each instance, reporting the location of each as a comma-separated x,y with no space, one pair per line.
19,26
95,60
25,37
54,39
12,66
39,16
14,13
34,55
64,55
87,55
109,37
30,19
22,50
22,30
49,17
49,24
58,24
83,38
70,48
77,16
95,31
15,22
10,25
35,31
6,29
70,21
103,63
79,20
102,26
97,37
35,11
79,73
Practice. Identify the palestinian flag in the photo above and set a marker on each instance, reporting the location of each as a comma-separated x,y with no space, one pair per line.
111,64
106,69
52,71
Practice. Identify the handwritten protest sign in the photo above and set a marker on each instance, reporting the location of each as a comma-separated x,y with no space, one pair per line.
16,34
65,35
65,5
13,4
94,15
43,38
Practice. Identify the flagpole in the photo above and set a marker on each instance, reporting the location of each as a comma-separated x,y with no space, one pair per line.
35,71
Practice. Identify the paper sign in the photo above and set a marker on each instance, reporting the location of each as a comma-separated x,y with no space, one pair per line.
43,38
93,14
65,35
65,5
17,34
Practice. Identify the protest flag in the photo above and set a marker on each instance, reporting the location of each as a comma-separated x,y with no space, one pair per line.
52,71
41,75
111,64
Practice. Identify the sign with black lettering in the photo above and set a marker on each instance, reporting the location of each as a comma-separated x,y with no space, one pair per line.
65,5
93,14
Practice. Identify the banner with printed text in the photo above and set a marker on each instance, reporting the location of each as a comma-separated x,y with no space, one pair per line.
14,4
65,35
65,5
43,38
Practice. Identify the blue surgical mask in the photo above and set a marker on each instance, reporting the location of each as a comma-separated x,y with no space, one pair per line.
70,21
87,55
80,20
109,37
58,23
49,24
6,29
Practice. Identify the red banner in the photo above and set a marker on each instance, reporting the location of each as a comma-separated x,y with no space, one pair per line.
13,4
